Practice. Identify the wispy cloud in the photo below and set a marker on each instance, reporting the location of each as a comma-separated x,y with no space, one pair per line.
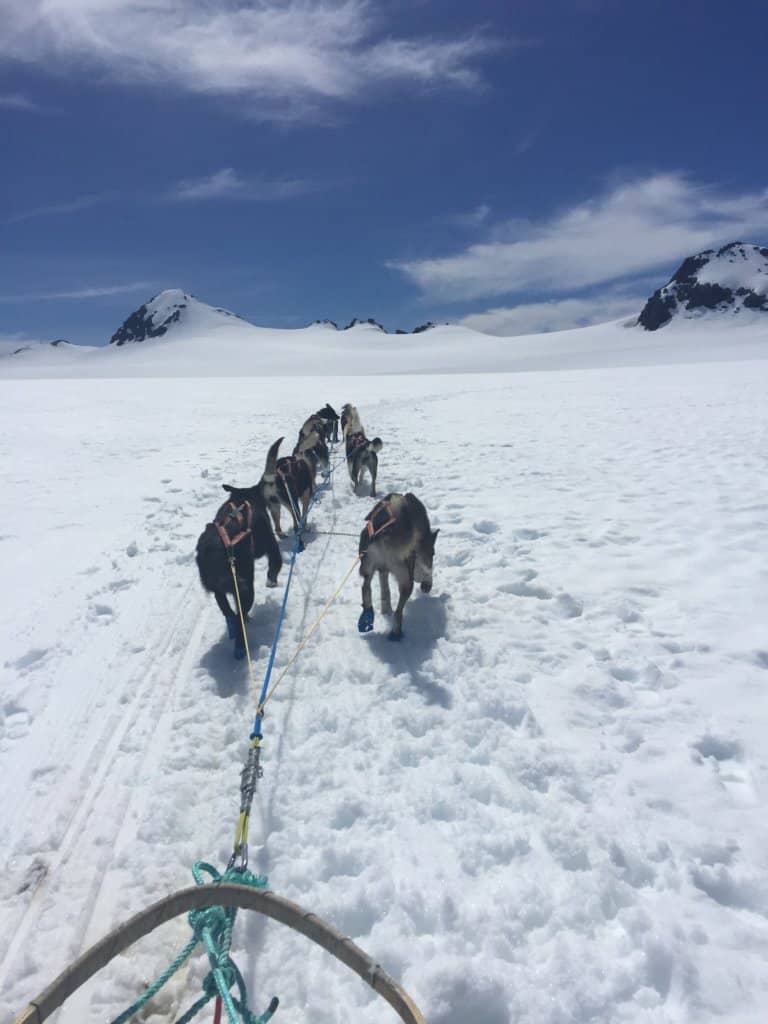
470,218
283,57
18,101
628,230
227,184
70,206
95,292
555,315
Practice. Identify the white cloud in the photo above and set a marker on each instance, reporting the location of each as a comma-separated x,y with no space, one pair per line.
555,315
628,230
470,218
17,101
70,206
227,184
284,56
96,292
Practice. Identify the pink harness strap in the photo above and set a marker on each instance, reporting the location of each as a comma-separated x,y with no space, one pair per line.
244,521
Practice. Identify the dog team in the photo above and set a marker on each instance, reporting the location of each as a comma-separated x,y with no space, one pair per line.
397,538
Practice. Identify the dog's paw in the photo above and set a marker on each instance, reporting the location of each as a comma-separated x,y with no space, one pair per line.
365,622
394,635
271,583
231,628
239,651
426,587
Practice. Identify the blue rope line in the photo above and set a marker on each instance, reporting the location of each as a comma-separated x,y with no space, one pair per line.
256,732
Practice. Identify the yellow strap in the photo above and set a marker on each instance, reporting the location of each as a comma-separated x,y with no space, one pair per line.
242,624
309,635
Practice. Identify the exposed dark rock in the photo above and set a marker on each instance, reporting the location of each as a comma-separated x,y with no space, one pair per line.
423,327
141,325
685,293
354,322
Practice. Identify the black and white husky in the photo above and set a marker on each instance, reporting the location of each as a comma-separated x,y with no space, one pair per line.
288,482
397,539
362,454
240,531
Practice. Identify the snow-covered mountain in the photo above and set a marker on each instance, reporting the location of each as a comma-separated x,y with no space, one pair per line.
168,308
174,309
730,280
178,335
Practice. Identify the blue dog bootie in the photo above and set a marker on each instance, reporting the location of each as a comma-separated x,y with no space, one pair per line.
365,622
231,628
239,649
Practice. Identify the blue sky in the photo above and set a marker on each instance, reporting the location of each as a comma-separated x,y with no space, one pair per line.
513,165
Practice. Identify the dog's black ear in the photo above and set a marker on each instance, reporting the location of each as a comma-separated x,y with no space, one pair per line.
434,535
228,487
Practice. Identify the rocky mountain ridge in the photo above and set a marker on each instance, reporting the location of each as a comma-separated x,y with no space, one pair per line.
728,280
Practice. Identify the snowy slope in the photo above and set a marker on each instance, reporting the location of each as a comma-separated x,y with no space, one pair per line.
210,343
172,310
546,805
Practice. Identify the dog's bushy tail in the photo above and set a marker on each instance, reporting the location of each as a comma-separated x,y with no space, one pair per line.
271,465
376,444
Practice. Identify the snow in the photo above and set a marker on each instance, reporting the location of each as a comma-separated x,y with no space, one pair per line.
740,266
547,804
210,343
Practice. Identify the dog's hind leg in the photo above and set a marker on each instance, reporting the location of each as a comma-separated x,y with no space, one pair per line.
305,504
386,597
245,589
226,611
373,468
275,560
365,622
405,582
274,511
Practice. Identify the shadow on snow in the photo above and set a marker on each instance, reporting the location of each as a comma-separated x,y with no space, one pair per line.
424,622
231,676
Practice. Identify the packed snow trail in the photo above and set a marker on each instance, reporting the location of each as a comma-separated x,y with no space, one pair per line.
545,805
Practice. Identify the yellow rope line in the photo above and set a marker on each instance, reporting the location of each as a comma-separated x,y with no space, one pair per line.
309,636
242,624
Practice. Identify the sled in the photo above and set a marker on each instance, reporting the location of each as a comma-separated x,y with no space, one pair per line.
224,895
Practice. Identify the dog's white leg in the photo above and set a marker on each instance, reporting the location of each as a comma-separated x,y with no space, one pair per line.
274,511
386,597
367,596
405,582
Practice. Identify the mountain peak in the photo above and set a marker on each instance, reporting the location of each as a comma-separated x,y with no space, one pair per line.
727,280
156,317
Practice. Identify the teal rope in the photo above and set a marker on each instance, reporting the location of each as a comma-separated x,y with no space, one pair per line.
152,991
213,927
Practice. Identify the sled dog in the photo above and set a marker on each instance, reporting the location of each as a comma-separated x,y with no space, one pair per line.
325,421
362,454
397,539
314,449
288,482
241,530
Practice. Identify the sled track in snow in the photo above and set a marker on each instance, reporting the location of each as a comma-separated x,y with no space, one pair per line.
107,793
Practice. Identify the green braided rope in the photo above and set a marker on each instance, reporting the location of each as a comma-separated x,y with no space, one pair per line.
213,927
152,991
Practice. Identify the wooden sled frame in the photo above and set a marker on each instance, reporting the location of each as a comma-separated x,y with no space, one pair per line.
225,895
